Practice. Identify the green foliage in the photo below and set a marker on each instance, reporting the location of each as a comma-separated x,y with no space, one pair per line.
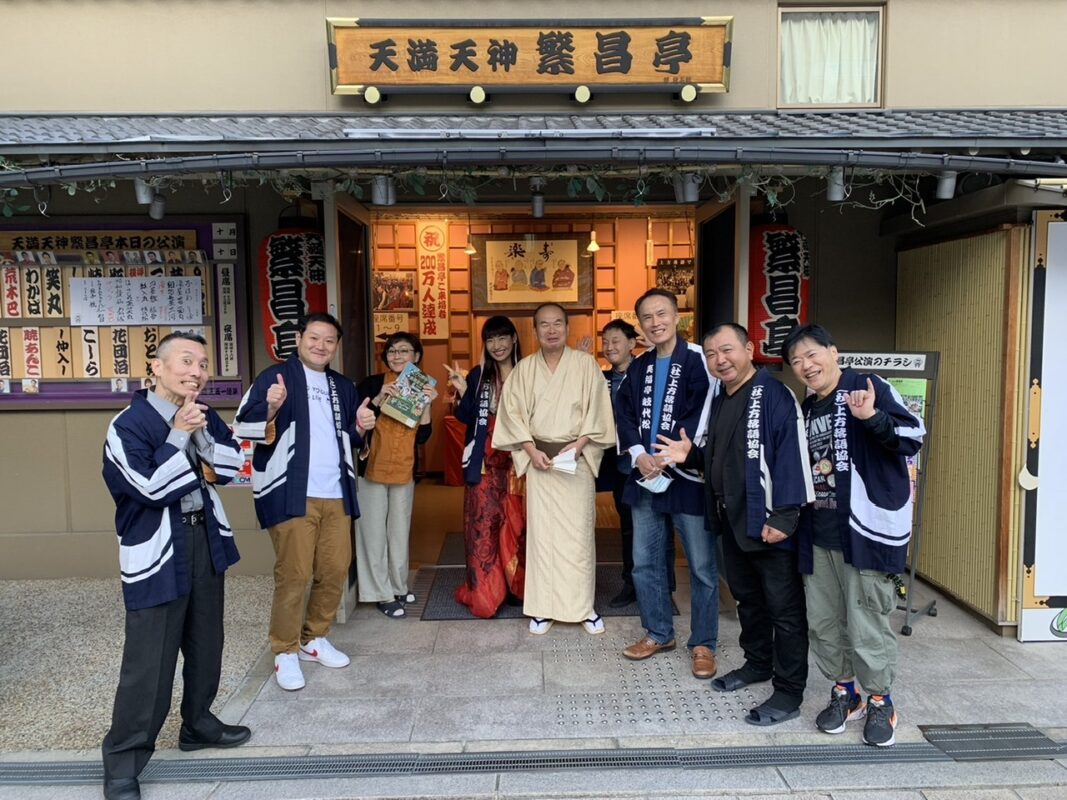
8,206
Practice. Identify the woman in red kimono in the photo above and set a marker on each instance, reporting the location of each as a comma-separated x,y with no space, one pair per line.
493,503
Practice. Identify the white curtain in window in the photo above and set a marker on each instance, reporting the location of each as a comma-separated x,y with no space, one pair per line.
829,57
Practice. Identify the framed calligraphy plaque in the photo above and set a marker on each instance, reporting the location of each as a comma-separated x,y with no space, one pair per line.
685,56
522,271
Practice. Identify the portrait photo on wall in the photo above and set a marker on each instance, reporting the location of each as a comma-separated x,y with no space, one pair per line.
393,291
524,270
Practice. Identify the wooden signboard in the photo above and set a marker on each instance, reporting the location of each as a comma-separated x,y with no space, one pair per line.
371,56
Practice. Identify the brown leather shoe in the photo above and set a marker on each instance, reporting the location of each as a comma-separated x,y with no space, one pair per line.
645,648
704,665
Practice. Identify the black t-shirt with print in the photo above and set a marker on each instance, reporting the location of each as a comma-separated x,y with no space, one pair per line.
826,532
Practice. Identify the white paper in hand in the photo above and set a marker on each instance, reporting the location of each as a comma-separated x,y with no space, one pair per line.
565,462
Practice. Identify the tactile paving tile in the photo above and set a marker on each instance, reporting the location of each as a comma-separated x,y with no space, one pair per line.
685,709
659,691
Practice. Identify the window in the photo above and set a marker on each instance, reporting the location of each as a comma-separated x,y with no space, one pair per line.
830,56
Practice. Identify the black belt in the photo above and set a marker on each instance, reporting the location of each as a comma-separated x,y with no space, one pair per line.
550,449
193,518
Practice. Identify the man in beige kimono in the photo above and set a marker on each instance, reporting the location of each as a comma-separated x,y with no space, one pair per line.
555,417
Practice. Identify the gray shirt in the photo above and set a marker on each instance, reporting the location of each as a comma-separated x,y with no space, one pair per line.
193,446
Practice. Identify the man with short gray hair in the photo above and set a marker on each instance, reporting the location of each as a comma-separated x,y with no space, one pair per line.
163,456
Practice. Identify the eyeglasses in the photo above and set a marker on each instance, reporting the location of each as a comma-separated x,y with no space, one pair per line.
403,351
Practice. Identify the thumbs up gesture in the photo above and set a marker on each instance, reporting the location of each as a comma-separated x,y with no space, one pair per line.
191,416
276,395
861,401
365,418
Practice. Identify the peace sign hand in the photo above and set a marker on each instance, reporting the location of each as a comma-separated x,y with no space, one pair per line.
456,380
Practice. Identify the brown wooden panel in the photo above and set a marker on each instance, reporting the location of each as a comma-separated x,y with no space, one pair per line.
384,258
405,234
407,258
549,53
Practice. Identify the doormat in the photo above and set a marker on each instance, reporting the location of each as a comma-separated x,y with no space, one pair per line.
441,601
1000,741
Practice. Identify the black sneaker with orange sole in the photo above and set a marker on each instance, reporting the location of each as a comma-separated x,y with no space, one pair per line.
842,708
881,725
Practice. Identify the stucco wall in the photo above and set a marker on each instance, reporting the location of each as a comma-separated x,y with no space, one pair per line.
189,56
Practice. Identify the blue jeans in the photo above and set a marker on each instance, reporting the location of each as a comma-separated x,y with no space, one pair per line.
651,529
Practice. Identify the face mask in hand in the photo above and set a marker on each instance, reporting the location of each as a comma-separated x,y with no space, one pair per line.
656,485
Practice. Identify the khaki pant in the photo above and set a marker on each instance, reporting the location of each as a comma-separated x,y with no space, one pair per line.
315,547
382,540
848,622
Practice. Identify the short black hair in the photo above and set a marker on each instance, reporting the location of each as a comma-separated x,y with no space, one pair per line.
740,330
164,343
402,336
320,316
656,292
621,325
562,310
817,333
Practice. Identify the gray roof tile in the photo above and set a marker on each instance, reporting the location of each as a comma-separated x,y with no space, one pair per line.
888,129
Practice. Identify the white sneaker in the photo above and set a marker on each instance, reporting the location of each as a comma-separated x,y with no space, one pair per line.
287,672
594,624
539,626
322,651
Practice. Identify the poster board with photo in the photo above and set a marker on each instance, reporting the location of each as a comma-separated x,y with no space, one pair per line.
393,290
86,301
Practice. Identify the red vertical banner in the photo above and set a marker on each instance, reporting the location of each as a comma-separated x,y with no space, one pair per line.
779,278
432,281
292,283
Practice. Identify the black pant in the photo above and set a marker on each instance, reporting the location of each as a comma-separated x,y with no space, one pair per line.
626,532
154,635
626,527
770,606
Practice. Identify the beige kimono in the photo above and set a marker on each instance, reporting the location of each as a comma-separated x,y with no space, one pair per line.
554,409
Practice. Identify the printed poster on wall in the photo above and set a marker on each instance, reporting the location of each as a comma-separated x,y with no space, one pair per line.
292,283
432,280
136,301
389,322
532,270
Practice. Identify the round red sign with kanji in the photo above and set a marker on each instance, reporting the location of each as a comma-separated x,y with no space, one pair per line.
433,238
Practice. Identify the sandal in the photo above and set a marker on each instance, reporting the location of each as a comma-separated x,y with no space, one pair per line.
406,599
736,679
394,609
764,715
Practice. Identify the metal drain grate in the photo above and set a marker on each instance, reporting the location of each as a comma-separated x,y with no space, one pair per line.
1000,742
549,760
725,757
357,766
